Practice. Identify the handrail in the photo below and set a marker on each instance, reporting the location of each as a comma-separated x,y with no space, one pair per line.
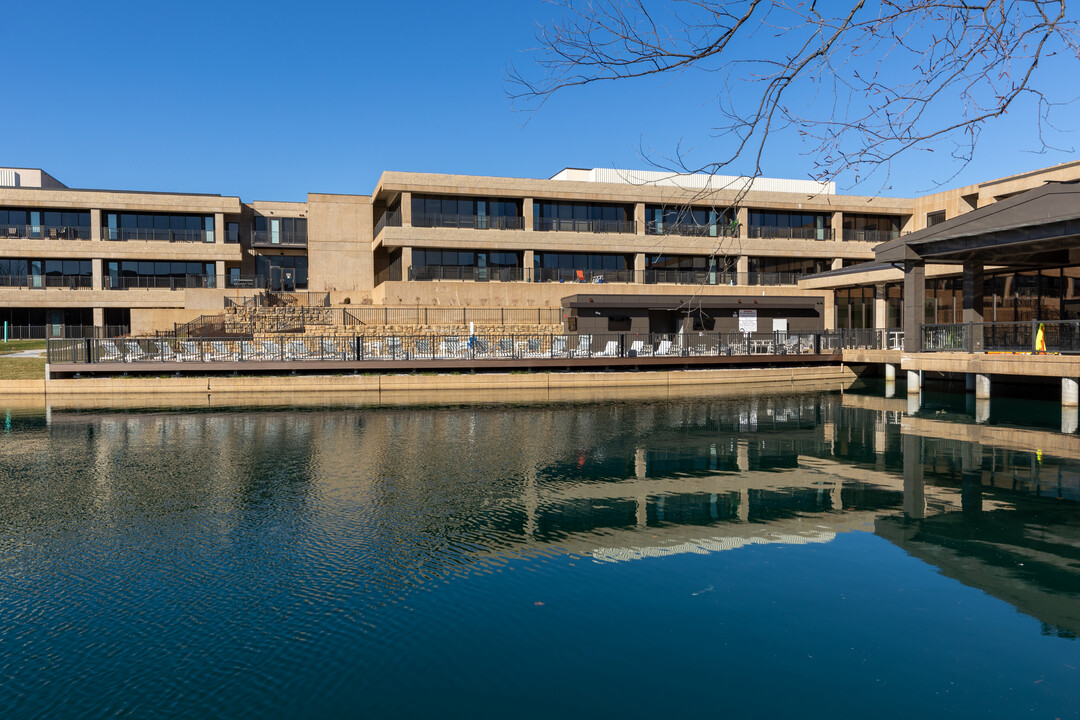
40,282
594,226
46,232
473,222
151,234
789,233
1058,336
266,237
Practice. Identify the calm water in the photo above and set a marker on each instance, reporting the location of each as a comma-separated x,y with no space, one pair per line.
781,556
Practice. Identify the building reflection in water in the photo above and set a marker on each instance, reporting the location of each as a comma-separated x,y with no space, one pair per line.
995,508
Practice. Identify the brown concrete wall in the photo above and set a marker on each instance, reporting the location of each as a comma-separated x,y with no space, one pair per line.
339,245
147,321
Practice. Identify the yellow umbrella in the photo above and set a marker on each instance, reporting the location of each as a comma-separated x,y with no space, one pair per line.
1040,340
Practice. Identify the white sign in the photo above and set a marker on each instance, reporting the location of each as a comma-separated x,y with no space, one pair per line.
748,321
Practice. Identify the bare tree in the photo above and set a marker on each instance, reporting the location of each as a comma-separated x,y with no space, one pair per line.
861,82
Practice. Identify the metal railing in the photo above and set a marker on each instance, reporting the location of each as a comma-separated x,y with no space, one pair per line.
466,272
472,222
359,348
789,233
871,236
273,239
593,226
563,275
871,339
42,282
1059,336
46,232
707,277
455,316
691,229
388,219
151,234
43,332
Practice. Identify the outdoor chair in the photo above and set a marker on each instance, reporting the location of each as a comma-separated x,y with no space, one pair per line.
109,352
558,346
480,347
505,348
393,347
164,351
611,349
664,348
373,350
296,350
450,347
189,351
220,351
133,351
422,348
330,351
248,351
271,350
584,345
534,347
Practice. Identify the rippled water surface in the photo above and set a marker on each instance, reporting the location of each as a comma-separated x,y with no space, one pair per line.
807,556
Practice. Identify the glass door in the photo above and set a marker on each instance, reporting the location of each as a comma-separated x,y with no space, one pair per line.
275,231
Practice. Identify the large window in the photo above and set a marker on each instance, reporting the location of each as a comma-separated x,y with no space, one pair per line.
871,228
124,274
465,265
691,269
283,272
582,217
35,273
681,220
466,212
151,226
779,224
854,308
582,267
50,224
280,231
783,271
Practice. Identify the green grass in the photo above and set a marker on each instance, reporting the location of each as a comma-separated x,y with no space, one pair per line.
19,345
22,368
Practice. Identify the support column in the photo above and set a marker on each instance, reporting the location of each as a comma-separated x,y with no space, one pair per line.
97,270
837,226
527,214
881,319
219,228
742,270
914,304
639,268
406,210
914,382
982,387
95,227
973,301
219,272
99,317
837,264
406,262
639,218
742,455
982,410
890,373
742,216
914,402
528,263
1070,419
1070,392
914,487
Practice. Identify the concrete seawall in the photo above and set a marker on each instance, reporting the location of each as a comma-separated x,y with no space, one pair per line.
436,388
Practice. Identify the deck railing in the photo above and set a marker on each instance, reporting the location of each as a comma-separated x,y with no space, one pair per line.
359,348
1059,336
593,226
43,332
46,232
871,339
40,282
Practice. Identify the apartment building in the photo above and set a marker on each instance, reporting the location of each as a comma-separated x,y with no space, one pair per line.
72,259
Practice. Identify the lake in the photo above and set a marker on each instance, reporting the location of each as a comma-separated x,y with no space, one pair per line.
812,555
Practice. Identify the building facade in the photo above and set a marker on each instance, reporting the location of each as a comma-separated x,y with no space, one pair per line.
72,259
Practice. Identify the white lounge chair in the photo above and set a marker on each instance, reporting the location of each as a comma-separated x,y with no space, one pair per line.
505,348
584,345
189,351
165,353
296,350
248,351
664,348
558,346
450,347
611,349
220,351
109,352
422,348
329,349
534,347
133,351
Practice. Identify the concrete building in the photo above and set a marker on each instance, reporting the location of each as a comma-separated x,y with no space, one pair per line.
72,260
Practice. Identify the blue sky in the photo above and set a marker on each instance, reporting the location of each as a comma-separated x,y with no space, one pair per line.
272,100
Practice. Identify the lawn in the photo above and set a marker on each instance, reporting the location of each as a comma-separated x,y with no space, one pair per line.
22,369
19,345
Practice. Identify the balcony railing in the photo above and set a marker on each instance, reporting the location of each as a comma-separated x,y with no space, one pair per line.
176,236
388,219
871,339
563,275
789,233
181,282
471,222
593,226
43,332
45,232
466,272
41,282
870,236
262,238
1059,336
689,229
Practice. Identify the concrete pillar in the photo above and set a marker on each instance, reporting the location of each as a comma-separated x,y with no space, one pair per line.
97,270
914,402
973,301
837,225
742,270
99,317
982,387
890,373
95,227
837,264
982,409
528,262
742,216
742,455
1070,418
881,315
914,382
914,304
639,218
406,261
639,268
890,390
406,210
1070,392
219,272
914,486
527,214
219,228
829,310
